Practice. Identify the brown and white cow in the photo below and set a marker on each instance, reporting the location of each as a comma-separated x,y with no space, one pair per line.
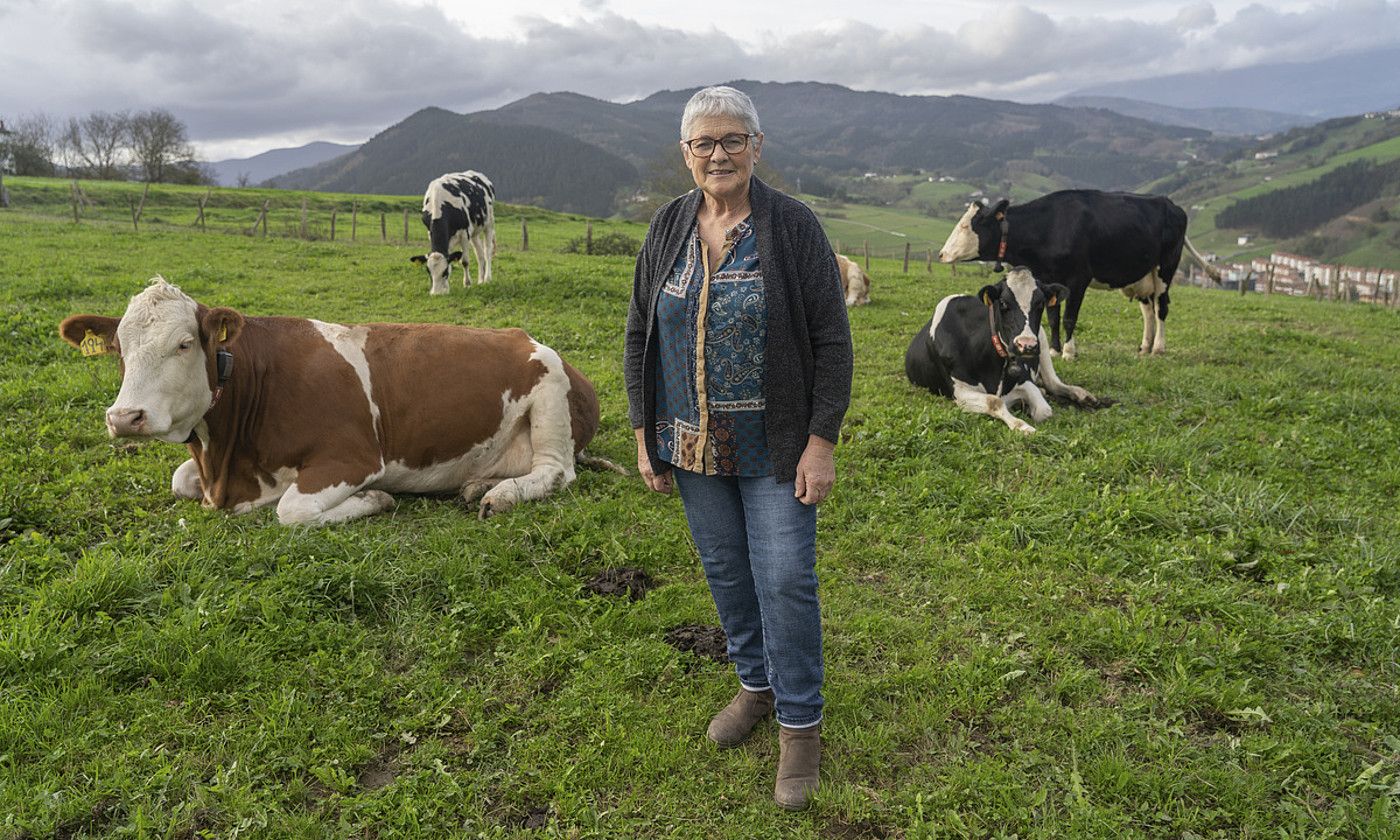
327,419
855,283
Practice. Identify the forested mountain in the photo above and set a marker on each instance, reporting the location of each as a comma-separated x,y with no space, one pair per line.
571,152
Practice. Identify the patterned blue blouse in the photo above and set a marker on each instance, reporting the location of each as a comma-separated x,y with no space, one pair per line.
709,412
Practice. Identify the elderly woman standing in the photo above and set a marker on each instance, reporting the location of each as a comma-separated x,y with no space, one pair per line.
738,366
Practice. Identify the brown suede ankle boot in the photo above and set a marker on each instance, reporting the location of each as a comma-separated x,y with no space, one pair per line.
799,759
735,722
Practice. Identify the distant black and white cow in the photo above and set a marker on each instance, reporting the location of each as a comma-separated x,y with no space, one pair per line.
1083,238
459,208
986,352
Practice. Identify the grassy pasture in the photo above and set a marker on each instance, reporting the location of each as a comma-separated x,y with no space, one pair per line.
1176,617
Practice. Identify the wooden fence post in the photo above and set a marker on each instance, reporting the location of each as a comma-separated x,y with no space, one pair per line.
837,247
261,219
200,221
405,226
930,260
1269,281
588,240
137,210
303,218
866,244
383,228
906,258
354,220
332,224
524,234
74,192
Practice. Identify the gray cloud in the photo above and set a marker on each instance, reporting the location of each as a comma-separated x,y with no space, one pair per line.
343,70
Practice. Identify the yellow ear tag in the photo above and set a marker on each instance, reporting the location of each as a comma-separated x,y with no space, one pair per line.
92,344
223,332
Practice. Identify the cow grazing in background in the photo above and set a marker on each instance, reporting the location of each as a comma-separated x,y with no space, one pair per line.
855,283
986,352
458,209
1083,238
326,420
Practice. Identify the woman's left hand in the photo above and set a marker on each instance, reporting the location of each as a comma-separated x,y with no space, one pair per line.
816,471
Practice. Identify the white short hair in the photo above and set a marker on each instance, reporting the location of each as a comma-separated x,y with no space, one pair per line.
719,101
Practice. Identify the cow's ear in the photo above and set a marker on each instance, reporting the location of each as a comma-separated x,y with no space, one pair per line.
990,294
999,210
1054,293
418,258
455,256
92,334
222,325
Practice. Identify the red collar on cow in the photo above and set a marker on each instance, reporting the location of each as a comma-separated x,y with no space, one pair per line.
1001,249
223,362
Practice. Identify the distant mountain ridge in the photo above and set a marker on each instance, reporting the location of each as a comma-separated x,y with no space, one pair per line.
1332,87
1237,121
527,165
276,162
566,151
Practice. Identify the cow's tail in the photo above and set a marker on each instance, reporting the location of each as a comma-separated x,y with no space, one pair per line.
1211,271
584,459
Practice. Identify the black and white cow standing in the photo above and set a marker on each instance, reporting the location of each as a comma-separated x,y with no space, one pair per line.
459,208
986,352
1083,238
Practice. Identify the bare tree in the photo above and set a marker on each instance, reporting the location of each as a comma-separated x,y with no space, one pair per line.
244,178
160,144
97,144
31,143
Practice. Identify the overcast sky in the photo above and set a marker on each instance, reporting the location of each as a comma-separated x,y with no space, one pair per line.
249,75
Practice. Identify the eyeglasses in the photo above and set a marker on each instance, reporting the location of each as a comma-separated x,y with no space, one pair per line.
705,146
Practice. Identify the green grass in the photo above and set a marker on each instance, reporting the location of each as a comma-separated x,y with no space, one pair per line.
1176,617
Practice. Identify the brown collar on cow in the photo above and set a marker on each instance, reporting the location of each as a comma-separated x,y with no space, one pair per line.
994,322
223,362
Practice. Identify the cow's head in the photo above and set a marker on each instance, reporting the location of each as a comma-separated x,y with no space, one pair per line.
977,234
1018,303
439,269
166,345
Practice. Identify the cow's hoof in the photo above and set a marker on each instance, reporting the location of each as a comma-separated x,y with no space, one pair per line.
1026,429
474,490
492,507
1054,354
380,499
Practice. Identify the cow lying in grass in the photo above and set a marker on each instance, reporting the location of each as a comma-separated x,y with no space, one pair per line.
855,283
326,420
986,352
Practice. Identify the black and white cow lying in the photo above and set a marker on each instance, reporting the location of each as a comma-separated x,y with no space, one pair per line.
986,352
1083,238
459,208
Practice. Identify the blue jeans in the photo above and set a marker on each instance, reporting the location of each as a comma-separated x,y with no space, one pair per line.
759,547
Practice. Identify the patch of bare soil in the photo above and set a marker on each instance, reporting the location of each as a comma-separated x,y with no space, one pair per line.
705,641
631,582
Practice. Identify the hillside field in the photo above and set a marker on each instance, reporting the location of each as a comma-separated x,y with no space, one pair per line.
1173,617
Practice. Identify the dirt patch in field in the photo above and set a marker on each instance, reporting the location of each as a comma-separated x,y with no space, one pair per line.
702,640
861,830
1099,402
535,817
379,771
615,583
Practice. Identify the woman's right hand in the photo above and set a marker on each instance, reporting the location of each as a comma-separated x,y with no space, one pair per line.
660,482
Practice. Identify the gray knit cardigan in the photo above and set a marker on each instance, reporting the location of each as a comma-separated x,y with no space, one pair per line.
807,358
